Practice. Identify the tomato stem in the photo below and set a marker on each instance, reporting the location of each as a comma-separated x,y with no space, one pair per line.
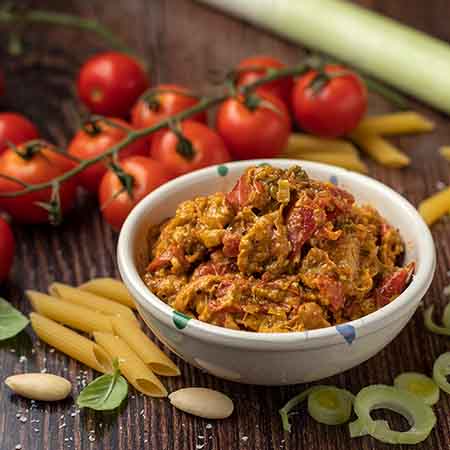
11,16
134,135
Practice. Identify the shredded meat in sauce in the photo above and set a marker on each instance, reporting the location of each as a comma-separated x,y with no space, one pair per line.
280,252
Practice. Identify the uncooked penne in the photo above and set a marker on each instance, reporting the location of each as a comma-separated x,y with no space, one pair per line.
71,343
109,288
91,301
436,206
304,143
131,366
146,349
381,150
405,122
346,161
69,314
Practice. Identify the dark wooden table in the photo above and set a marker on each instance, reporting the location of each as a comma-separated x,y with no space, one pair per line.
191,45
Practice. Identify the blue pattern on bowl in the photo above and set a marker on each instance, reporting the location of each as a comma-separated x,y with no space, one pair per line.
347,331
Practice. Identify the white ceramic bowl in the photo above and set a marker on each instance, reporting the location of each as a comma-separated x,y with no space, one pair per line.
278,358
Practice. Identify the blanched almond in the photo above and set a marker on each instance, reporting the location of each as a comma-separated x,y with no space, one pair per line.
39,386
202,402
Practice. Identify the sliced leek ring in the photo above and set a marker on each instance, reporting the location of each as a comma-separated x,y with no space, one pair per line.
420,385
432,326
419,415
326,404
441,369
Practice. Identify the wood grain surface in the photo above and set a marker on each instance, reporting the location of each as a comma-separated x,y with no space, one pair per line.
192,45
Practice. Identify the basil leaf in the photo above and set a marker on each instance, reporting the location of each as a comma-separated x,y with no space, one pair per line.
12,321
104,393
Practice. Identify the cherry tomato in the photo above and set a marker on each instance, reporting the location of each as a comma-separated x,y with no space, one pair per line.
94,139
333,109
256,128
281,88
7,245
110,83
155,106
34,163
17,129
195,147
147,175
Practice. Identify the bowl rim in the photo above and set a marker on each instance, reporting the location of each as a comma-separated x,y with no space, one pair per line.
276,341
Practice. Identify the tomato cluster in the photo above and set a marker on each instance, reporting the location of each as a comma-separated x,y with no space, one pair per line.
251,124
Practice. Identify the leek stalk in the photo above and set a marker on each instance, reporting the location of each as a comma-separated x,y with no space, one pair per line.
408,59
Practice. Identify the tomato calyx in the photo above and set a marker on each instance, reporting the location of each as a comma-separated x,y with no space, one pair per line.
29,149
184,145
126,180
252,101
92,127
321,80
152,100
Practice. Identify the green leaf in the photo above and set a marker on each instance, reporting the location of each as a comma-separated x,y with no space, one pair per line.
104,393
12,322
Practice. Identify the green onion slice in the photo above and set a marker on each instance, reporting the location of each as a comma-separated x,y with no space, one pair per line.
432,326
420,385
419,415
326,404
441,369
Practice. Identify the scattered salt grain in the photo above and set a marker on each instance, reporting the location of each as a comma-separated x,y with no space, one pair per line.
440,185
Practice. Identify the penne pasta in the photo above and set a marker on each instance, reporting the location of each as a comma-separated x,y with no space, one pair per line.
69,314
91,301
146,349
305,143
346,161
380,150
436,206
70,343
109,288
445,151
406,122
131,366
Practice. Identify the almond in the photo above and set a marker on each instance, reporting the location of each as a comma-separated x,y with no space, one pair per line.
202,402
39,386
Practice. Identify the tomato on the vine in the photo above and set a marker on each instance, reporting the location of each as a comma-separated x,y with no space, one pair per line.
34,162
7,246
141,174
330,104
162,102
256,126
16,129
94,139
190,147
262,65
110,83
